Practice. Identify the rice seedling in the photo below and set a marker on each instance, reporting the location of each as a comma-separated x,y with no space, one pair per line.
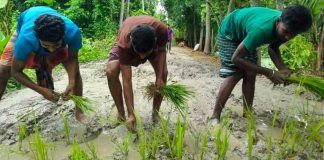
222,139
250,131
40,151
123,147
269,139
78,153
165,132
178,138
83,103
142,138
22,134
154,142
313,84
66,128
203,144
177,94
93,151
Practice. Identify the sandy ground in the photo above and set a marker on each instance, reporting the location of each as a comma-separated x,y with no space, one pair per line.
193,69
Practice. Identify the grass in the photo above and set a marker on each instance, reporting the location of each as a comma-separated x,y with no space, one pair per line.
222,139
93,151
83,103
312,83
177,94
22,134
67,129
165,133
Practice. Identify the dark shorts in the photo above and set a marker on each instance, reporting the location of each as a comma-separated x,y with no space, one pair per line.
226,49
113,55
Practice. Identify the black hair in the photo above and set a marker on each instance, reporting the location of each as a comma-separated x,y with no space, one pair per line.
143,38
49,28
297,18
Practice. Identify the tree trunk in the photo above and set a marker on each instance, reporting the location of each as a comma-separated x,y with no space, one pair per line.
231,6
127,11
207,38
279,4
195,31
121,16
320,54
212,40
143,6
254,3
201,36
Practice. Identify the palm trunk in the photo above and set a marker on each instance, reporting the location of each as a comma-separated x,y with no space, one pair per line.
207,38
201,36
143,6
320,54
121,16
127,10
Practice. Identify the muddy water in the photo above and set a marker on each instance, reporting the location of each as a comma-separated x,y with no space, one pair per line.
193,69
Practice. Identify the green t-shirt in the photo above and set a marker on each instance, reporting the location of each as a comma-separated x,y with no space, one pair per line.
254,26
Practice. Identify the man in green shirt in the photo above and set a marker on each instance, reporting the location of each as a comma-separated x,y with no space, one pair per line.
241,32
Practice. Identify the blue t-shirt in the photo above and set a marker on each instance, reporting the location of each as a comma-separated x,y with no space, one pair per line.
27,42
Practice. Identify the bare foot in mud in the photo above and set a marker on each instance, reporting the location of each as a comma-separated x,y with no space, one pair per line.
130,124
81,117
155,118
214,122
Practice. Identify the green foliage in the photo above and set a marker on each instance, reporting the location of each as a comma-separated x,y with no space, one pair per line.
95,50
179,138
298,53
40,147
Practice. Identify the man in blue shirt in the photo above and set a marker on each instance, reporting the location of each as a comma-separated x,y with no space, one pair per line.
44,38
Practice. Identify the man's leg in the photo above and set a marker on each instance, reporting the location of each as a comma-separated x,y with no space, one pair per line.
4,76
112,72
78,90
248,88
224,92
157,100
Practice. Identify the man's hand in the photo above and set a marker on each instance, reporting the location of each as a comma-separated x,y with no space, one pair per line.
159,83
50,95
285,73
68,91
276,77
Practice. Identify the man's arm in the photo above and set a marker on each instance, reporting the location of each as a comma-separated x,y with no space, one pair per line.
17,72
72,67
160,62
239,60
127,86
275,56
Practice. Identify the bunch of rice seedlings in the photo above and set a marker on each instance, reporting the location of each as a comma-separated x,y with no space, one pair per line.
313,84
93,151
142,137
177,94
78,153
83,103
222,139
154,141
178,138
22,134
251,131
123,147
204,141
67,129
40,151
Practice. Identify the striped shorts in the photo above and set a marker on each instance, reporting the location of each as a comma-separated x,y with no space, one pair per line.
226,49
